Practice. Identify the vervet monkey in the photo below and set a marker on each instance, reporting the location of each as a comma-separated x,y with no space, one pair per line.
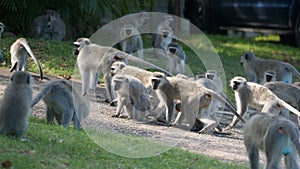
19,52
206,119
169,89
15,109
55,29
287,92
213,75
176,58
93,58
131,94
120,68
167,23
269,76
276,136
256,96
256,67
39,24
63,103
131,40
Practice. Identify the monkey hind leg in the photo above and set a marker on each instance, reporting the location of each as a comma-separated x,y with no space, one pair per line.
76,121
67,117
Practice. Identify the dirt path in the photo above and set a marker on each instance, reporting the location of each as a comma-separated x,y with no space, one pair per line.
227,148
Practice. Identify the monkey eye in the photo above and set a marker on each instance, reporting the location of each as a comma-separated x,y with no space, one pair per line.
112,68
76,45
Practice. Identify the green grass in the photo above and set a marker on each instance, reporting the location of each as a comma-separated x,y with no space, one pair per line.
52,146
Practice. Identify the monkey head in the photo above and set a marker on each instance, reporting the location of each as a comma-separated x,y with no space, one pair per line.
143,18
172,47
116,66
128,30
237,83
270,76
246,57
157,80
210,74
21,77
79,44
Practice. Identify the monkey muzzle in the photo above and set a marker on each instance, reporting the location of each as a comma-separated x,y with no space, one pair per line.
128,31
235,85
172,50
165,34
211,77
155,83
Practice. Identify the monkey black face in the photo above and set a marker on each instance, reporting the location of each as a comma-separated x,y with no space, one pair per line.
269,77
128,31
155,83
75,51
172,49
210,76
235,85
165,33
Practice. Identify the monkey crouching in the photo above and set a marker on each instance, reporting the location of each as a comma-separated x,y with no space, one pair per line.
63,103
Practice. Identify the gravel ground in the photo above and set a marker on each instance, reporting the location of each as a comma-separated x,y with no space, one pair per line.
222,147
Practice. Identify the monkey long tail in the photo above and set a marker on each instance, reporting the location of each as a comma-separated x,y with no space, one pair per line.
229,105
35,59
289,107
46,90
292,69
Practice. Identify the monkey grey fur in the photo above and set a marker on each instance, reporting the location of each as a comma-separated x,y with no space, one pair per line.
18,52
176,58
256,67
93,58
132,94
131,40
169,89
256,96
15,109
55,30
63,103
39,24
2,26
276,136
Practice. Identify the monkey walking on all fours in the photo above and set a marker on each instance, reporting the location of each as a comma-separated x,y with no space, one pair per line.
15,108
258,97
255,68
132,96
63,103
193,97
276,136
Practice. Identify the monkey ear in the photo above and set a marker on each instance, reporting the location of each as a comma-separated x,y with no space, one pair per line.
207,96
122,66
279,106
87,42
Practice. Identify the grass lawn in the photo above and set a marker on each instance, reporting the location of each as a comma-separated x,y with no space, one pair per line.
52,146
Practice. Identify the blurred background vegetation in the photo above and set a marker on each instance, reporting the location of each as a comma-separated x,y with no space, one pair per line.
82,17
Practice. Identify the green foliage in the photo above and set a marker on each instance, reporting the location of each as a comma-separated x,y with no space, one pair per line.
82,17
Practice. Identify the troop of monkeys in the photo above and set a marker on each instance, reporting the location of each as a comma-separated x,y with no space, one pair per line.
135,91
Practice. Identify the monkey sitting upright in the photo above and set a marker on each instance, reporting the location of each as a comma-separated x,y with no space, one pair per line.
15,108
